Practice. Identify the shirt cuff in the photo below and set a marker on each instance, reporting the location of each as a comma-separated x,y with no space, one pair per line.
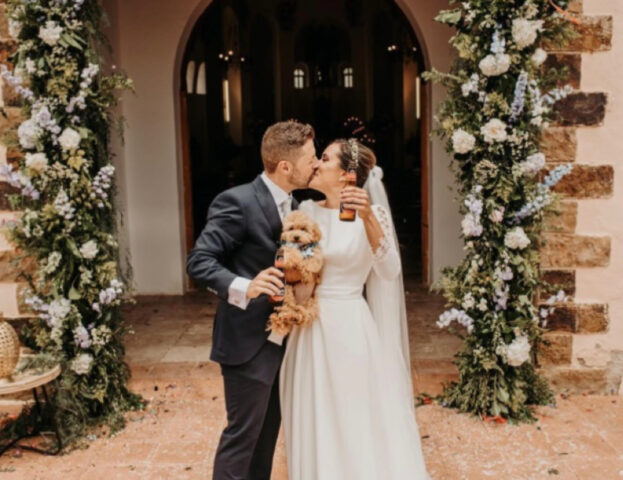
237,293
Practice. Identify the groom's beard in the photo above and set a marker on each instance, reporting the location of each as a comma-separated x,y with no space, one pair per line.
298,180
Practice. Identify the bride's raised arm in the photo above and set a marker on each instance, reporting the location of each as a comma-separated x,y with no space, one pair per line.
378,230
386,256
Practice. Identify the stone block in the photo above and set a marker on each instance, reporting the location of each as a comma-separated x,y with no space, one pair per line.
560,144
556,349
571,62
592,318
563,219
594,34
587,181
581,108
562,250
559,279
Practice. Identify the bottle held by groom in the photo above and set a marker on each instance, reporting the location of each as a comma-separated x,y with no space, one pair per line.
233,258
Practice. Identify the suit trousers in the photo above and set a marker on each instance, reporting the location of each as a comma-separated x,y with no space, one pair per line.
247,445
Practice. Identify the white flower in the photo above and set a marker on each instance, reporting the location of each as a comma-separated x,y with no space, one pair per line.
89,249
462,141
471,226
532,165
497,215
15,28
50,33
493,65
52,262
57,312
518,351
30,65
468,301
69,139
37,162
482,305
82,363
494,131
516,239
101,335
28,133
538,57
525,31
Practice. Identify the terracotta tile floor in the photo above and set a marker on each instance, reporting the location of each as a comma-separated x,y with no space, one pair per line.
176,436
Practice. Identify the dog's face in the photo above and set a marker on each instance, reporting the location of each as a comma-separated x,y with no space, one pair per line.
299,228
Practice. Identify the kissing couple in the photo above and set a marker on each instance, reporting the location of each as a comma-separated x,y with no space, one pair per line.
341,384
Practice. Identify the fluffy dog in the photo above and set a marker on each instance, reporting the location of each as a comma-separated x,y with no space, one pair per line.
302,263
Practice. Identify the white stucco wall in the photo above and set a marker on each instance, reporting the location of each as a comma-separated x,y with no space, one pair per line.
602,72
148,36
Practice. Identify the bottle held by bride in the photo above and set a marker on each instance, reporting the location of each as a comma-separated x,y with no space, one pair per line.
349,214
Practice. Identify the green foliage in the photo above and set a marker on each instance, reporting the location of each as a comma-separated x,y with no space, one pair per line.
66,196
492,122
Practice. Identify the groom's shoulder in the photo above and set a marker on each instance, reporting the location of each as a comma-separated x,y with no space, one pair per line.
239,193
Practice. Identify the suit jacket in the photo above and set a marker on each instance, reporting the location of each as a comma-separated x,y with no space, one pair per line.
240,239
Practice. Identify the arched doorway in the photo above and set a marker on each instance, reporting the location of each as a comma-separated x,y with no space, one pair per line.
350,68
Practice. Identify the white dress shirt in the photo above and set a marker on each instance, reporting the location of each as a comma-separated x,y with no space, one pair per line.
237,292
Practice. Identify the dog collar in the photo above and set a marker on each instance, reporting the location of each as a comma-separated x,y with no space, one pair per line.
307,249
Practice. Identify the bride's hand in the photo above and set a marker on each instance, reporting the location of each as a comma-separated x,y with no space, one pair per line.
357,199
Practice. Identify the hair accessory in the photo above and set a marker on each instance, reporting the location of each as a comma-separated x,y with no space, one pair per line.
354,152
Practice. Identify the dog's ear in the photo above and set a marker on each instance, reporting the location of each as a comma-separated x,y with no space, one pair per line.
316,231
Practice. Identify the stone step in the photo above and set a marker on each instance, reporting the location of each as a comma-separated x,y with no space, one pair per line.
579,380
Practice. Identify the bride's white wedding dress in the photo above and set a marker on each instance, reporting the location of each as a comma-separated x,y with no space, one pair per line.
347,412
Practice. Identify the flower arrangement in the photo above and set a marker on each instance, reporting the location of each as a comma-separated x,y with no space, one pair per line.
65,183
492,121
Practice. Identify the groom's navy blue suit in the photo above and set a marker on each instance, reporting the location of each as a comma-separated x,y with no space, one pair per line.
240,240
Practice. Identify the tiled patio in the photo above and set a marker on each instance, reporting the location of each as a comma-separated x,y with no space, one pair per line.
175,437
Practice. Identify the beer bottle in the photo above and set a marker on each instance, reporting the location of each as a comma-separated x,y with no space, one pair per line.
349,214
279,264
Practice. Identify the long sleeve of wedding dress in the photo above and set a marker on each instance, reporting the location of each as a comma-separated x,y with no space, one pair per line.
386,257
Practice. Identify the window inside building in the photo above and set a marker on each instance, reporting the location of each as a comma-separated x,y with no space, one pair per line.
348,74
299,78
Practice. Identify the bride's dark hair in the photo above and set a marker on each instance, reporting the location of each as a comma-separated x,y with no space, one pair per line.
365,158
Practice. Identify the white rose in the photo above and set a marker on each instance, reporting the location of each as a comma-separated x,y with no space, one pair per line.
69,139
518,352
494,131
15,28
497,215
89,249
516,239
538,57
36,161
493,65
525,31
462,141
50,33
28,133
533,164
82,363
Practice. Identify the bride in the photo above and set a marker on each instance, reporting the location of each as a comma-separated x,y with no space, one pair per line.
346,394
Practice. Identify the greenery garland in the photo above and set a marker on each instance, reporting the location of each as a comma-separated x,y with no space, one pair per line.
65,183
492,122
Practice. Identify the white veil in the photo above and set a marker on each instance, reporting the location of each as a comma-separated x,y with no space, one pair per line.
386,298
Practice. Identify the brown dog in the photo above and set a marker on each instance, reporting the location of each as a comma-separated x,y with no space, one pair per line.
302,263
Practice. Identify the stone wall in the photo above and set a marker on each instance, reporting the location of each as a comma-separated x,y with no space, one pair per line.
570,252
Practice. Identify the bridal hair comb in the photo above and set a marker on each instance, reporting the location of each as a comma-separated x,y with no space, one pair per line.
354,152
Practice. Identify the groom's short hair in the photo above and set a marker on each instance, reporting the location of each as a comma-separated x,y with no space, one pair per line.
281,140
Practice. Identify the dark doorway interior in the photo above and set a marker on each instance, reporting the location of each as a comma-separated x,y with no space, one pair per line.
350,68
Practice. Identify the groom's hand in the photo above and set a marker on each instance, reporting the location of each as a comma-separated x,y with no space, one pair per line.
267,282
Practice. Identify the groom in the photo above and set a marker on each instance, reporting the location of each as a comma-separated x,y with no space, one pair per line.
233,258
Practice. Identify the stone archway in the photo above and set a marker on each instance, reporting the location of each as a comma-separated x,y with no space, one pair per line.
414,195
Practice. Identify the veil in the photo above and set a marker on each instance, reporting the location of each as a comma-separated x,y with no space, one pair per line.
386,298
